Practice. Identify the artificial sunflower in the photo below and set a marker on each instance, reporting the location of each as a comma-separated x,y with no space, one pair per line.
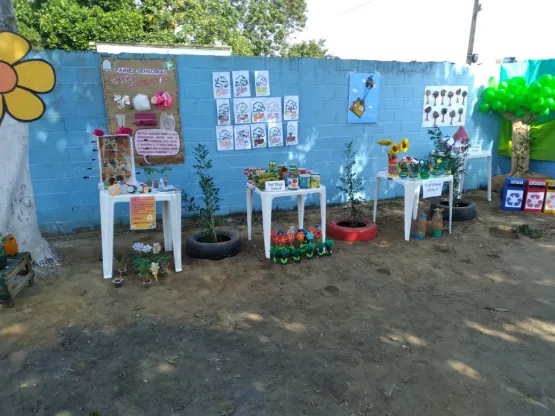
385,142
405,145
394,149
21,81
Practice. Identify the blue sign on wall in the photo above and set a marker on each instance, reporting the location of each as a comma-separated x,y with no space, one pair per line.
364,95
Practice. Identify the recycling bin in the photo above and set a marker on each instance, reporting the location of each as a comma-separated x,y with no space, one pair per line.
513,194
550,197
534,195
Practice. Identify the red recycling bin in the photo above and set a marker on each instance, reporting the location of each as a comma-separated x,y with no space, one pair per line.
534,195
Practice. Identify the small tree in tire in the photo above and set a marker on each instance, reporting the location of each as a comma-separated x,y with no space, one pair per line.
351,186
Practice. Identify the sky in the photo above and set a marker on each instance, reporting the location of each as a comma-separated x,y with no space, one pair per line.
432,30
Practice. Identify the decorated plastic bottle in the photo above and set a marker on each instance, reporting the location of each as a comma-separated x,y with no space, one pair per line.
437,223
420,226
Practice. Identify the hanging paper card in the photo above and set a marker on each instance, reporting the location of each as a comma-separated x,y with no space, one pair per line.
292,133
258,134
142,212
224,115
221,84
155,143
242,136
291,107
273,109
242,111
444,105
262,83
241,84
224,138
115,159
275,134
363,98
258,110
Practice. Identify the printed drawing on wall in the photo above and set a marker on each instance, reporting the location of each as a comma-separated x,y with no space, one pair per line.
444,105
363,98
141,95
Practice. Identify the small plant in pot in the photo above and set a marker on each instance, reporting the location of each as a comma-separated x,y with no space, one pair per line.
450,155
148,261
212,243
351,227
296,254
329,246
150,171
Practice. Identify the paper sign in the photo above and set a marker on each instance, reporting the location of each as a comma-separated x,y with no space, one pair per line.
262,83
258,110
142,212
433,188
156,142
224,137
224,114
292,133
221,84
274,186
273,110
242,111
258,134
275,134
475,148
241,84
242,137
291,107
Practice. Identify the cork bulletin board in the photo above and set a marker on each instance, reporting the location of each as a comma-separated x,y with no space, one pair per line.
141,94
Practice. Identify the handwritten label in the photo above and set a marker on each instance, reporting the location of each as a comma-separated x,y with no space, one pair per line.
275,186
156,142
142,212
475,148
432,189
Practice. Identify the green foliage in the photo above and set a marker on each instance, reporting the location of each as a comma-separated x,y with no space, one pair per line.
250,27
309,249
210,194
307,49
351,186
455,160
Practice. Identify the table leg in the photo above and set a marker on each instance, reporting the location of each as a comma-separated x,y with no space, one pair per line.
267,222
249,213
323,208
450,205
300,210
175,224
376,193
167,225
409,204
461,177
107,227
489,178
415,206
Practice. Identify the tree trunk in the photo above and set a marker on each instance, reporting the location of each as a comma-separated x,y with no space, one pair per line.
18,214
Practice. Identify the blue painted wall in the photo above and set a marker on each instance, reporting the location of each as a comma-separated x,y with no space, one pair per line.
62,151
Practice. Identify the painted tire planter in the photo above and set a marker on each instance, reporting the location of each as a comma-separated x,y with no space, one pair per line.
228,245
465,212
340,230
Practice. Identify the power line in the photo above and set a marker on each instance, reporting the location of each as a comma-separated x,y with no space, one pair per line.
353,9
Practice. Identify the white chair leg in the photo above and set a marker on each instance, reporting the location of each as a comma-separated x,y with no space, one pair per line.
267,222
376,193
323,207
249,213
450,205
415,206
300,210
489,177
167,225
108,238
409,202
175,212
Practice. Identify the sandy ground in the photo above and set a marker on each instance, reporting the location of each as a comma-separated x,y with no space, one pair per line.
464,325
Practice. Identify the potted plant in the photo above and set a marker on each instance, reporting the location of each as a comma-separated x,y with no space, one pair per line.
211,243
320,248
309,250
351,227
296,254
329,246
149,171
446,153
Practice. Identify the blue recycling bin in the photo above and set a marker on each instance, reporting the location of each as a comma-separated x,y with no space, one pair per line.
513,194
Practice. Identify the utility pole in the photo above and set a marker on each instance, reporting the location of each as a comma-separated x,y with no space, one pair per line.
470,59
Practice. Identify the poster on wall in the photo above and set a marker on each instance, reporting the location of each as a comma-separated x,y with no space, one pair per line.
224,138
273,109
262,83
242,137
364,94
221,84
292,138
241,84
258,110
242,111
275,134
224,113
258,134
115,159
444,105
141,94
291,107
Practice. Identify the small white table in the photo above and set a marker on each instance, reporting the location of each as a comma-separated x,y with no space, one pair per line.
171,217
478,155
412,195
268,197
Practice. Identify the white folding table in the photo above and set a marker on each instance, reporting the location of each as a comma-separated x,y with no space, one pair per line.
268,197
412,195
478,155
171,217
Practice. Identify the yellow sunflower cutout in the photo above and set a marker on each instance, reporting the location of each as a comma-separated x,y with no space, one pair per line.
385,142
394,149
405,145
20,81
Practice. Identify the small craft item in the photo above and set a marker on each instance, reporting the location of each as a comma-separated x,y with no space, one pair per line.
146,119
272,166
461,137
420,226
114,190
358,107
122,101
161,183
392,154
282,169
303,170
293,181
10,245
437,169
304,181
123,131
403,170
141,103
425,169
167,121
121,120
437,223
131,189
314,180
162,100
413,169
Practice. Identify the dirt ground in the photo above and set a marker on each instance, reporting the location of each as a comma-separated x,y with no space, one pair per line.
464,325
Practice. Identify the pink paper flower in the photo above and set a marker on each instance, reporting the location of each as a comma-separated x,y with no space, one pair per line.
162,99
98,132
124,130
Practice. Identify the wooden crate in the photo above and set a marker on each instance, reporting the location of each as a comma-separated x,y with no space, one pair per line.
14,277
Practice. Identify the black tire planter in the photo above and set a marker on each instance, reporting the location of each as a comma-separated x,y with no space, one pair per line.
228,245
340,230
466,210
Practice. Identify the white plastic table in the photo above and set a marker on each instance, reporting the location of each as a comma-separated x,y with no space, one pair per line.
171,217
268,197
478,155
412,195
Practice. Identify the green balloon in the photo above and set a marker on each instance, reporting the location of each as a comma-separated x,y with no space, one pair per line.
544,112
519,80
520,99
511,99
489,94
503,108
545,92
496,105
519,113
501,95
535,87
484,107
492,83
545,80
503,85
512,108
541,101
550,102
532,98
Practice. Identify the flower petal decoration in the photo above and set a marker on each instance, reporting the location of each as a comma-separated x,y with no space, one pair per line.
13,47
23,105
394,149
35,75
385,142
405,145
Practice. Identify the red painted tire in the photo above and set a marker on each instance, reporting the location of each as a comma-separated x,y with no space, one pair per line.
366,232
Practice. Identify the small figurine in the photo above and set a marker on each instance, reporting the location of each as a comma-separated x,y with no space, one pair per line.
161,184
420,227
437,223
